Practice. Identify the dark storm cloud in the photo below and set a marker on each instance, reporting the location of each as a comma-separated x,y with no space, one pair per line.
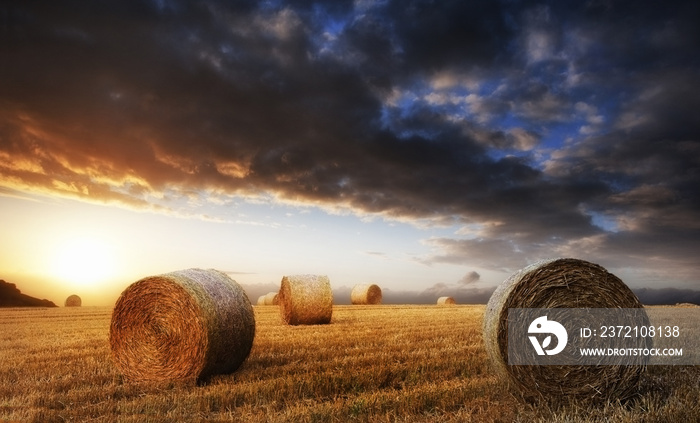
668,296
453,112
462,290
469,278
453,33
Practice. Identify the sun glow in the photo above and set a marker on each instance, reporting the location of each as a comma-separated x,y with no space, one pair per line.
83,261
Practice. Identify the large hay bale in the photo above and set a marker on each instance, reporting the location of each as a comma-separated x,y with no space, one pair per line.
185,325
306,299
73,301
366,294
560,283
271,298
446,301
261,300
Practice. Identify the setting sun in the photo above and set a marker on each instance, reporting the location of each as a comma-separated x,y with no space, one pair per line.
83,261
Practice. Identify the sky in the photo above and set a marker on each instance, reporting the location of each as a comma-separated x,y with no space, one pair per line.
432,148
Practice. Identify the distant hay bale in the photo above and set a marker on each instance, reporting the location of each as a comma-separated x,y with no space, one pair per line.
560,283
272,298
306,299
446,301
73,301
185,325
687,305
366,294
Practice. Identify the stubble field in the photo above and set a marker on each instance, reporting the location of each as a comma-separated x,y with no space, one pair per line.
372,363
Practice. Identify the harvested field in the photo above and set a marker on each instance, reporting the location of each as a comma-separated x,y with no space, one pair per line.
377,363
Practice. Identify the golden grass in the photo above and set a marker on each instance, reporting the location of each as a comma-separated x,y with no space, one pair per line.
377,363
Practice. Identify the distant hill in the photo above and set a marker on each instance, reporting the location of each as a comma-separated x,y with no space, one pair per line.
10,296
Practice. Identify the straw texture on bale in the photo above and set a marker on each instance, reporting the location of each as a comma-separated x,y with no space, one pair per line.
560,283
73,301
366,294
446,301
272,298
185,325
306,300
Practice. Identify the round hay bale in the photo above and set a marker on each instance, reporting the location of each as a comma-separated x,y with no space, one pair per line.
560,283
271,298
185,325
306,300
366,294
261,300
446,301
73,301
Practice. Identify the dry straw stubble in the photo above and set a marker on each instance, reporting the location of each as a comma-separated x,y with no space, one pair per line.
306,299
366,294
73,301
185,325
560,283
